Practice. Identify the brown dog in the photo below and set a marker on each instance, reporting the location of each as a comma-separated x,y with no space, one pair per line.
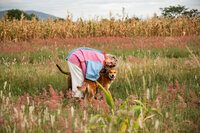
69,80
91,87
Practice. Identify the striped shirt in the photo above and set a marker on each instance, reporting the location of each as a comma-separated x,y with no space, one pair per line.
91,61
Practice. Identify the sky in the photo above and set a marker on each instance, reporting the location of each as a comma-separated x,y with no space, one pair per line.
90,9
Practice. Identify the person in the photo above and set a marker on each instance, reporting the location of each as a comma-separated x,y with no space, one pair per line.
87,63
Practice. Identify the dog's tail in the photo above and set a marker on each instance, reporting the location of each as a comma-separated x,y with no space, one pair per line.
67,73
83,88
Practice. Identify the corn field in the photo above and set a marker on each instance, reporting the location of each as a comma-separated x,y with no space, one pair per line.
23,30
156,88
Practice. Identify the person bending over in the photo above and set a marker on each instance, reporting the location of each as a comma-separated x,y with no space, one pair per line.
87,63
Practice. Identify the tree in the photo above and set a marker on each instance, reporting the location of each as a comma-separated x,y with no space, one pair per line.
176,11
16,13
34,16
192,13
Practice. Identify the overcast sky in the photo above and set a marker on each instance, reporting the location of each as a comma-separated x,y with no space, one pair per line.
92,8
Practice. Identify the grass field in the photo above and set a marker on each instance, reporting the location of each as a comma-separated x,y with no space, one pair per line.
156,89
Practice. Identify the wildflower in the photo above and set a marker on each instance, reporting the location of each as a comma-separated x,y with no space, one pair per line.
140,119
195,100
182,102
131,126
14,130
27,100
24,122
84,115
75,123
39,121
23,108
148,94
52,120
110,127
167,114
31,108
7,101
34,61
58,112
72,111
141,113
156,124
91,115
81,126
15,110
44,92
104,130
140,123
195,77
5,83
66,122
85,129
46,114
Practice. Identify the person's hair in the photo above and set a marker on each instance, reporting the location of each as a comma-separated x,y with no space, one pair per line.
111,60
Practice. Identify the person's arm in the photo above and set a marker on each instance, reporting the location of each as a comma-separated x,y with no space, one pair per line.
83,67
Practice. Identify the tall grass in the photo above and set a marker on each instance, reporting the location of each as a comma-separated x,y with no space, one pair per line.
23,30
162,77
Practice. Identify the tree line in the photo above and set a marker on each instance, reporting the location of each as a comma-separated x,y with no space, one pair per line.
17,14
171,11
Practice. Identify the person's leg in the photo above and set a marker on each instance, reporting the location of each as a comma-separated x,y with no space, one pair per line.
77,78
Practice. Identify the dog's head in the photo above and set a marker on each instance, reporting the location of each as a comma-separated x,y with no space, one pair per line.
111,73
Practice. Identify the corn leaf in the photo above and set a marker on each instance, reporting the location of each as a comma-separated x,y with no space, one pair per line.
135,108
124,126
98,116
109,98
157,111
139,102
124,104
95,126
136,125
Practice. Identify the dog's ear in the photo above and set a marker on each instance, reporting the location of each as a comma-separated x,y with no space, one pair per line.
108,68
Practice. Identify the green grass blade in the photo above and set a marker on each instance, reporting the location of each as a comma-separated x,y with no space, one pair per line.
109,98
135,108
139,102
157,111
124,104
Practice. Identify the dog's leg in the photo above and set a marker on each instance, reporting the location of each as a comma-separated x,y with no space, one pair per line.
94,92
83,89
69,82
107,87
85,93
91,93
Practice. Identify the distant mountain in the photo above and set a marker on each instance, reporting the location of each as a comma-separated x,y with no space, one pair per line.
41,15
2,13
